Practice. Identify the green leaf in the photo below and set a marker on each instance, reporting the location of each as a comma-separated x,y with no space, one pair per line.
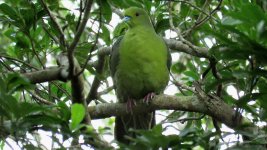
119,30
250,14
118,4
162,25
77,115
3,88
22,41
17,82
192,75
29,17
186,132
231,21
211,85
9,11
153,139
105,35
8,106
178,68
106,10
131,3
64,111
242,102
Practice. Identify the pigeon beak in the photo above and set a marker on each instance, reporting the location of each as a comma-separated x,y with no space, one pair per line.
126,19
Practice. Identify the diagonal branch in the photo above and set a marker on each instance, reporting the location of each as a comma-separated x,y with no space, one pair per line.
59,29
77,36
96,83
181,46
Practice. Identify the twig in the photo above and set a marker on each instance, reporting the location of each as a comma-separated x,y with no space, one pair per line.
80,15
175,82
93,47
59,29
190,4
77,36
183,120
177,30
40,99
6,66
18,60
46,30
201,22
117,11
34,51
217,75
107,90
38,75
96,83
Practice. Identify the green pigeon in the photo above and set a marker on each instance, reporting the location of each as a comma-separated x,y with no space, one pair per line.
139,64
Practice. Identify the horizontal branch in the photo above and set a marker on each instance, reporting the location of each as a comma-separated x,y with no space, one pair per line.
49,74
179,46
53,73
225,113
175,46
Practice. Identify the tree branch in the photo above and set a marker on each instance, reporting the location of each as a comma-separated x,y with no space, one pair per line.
54,73
49,74
220,111
180,46
117,11
96,83
175,46
53,19
77,36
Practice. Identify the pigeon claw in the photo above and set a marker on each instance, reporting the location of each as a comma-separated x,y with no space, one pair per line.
147,99
130,105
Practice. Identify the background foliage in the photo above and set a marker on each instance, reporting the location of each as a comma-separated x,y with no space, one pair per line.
234,31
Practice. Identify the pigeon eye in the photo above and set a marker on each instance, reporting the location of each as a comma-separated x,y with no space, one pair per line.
136,14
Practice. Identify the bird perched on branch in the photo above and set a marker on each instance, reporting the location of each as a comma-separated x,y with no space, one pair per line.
139,64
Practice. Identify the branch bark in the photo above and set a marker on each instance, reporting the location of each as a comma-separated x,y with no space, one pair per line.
53,73
58,28
220,110
46,75
96,83
180,46
77,36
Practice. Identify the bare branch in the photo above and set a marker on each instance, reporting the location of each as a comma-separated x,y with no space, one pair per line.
34,51
18,60
201,21
77,36
189,48
53,19
117,11
220,110
96,83
40,99
49,74
175,46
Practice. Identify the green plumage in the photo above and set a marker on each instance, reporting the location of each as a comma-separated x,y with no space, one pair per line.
139,65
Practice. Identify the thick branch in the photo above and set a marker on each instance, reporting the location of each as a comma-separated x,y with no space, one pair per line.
180,46
220,111
53,73
96,83
46,75
175,46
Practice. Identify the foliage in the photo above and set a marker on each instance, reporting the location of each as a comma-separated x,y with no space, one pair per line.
234,32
